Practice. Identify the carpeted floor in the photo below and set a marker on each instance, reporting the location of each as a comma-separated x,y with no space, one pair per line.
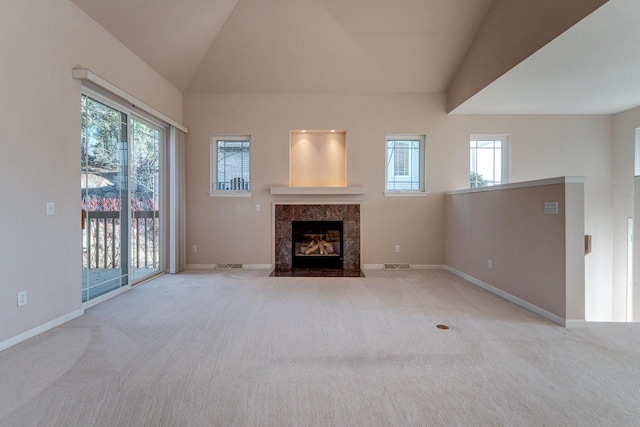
237,348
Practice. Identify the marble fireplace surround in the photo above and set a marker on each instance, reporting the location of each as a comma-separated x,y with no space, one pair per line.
285,213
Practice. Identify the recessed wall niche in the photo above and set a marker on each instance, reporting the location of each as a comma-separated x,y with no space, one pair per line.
318,158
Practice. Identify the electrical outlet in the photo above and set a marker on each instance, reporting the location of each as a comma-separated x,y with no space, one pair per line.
489,264
550,208
194,248
397,248
22,298
257,208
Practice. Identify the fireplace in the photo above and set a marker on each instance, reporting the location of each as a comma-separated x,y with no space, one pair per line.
346,248
317,244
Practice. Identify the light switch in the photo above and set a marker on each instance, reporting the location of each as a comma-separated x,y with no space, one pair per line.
550,208
50,209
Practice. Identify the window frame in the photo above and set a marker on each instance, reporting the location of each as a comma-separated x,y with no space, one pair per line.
505,155
422,148
213,166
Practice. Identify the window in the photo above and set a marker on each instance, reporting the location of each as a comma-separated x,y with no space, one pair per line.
402,159
489,160
405,164
230,165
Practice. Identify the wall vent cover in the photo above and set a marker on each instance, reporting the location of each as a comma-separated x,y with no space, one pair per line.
229,265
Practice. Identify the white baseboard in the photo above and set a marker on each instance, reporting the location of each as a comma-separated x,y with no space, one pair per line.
426,267
202,266
257,266
571,323
511,298
40,329
215,266
411,267
576,323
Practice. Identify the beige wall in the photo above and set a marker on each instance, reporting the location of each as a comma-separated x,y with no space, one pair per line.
40,42
556,145
536,257
511,32
230,230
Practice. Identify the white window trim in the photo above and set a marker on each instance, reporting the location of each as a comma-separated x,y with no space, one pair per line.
423,175
506,152
213,178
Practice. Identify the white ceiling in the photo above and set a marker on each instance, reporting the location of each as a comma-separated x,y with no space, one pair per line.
592,68
370,46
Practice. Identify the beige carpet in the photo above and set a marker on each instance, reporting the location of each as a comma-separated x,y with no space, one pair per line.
236,348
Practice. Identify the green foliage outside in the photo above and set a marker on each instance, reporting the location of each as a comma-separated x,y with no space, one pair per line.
102,130
477,180
104,148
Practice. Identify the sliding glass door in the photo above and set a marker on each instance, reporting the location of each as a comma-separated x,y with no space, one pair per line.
120,198
145,198
104,199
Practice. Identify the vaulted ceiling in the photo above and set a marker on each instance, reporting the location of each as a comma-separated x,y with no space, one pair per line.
592,68
172,36
373,46
296,45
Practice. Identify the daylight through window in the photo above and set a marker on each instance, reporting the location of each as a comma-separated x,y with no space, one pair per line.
488,160
232,163
405,163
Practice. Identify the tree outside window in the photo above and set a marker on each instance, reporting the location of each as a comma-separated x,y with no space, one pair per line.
488,160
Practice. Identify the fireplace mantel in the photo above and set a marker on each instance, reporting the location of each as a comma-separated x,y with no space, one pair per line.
317,190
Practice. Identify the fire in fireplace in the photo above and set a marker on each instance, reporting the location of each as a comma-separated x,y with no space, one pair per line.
317,244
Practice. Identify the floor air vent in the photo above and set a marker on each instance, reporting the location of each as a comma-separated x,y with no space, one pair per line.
229,265
396,266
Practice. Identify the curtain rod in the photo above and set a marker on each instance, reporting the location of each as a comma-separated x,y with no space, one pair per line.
85,74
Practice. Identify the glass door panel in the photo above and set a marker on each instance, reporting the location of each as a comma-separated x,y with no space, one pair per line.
145,198
104,199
